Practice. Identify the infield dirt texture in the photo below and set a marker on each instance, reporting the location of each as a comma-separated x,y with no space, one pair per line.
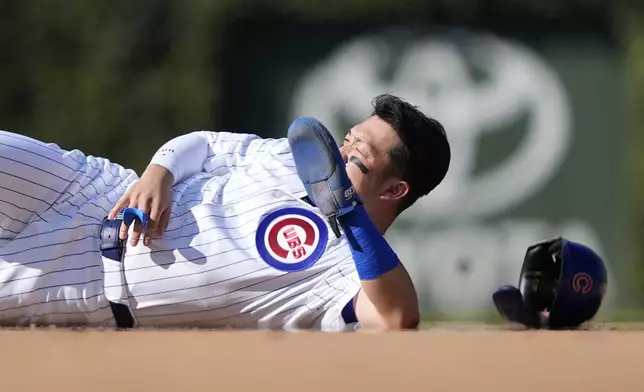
434,360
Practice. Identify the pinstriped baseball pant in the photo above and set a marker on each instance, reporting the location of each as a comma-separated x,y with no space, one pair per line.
52,202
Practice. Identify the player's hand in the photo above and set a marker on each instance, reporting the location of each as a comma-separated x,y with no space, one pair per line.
152,193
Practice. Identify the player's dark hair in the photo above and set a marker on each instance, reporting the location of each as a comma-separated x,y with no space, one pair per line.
423,158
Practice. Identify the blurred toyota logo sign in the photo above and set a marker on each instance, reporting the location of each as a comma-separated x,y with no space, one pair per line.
475,84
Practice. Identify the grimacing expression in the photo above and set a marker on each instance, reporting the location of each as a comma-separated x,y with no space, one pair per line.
365,151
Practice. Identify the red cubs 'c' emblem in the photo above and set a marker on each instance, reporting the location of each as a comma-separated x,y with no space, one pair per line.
296,233
582,283
291,239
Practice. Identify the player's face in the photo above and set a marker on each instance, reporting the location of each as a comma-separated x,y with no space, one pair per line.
365,150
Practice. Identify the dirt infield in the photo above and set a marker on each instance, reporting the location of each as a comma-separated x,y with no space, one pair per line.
436,360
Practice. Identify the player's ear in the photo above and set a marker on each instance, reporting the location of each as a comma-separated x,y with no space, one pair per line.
395,190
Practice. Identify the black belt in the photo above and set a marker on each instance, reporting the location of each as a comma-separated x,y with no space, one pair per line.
112,248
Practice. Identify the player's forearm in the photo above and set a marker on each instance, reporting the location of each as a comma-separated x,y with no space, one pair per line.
394,299
386,284
183,156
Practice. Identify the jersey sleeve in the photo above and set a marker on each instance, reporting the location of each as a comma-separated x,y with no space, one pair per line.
213,152
232,150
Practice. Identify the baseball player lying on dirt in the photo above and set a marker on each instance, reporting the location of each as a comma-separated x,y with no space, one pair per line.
221,230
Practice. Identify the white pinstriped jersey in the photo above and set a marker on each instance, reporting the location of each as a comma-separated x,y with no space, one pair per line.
241,250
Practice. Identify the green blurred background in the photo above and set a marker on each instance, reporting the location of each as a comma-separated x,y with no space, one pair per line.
541,100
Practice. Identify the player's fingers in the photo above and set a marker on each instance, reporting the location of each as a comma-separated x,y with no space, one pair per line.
153,224
155,213
123,232
163,222
125,200
137,230
147,238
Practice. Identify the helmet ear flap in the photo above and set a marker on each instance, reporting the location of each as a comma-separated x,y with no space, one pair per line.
530,303
540,275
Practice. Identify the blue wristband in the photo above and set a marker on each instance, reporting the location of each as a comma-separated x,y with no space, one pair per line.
372,255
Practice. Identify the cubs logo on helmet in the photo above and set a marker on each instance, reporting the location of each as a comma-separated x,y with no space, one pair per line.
582,283
291,239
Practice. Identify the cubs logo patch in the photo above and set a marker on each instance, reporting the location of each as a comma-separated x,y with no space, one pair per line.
582,283
291,239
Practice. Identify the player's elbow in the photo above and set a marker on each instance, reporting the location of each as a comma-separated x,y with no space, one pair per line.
401,319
